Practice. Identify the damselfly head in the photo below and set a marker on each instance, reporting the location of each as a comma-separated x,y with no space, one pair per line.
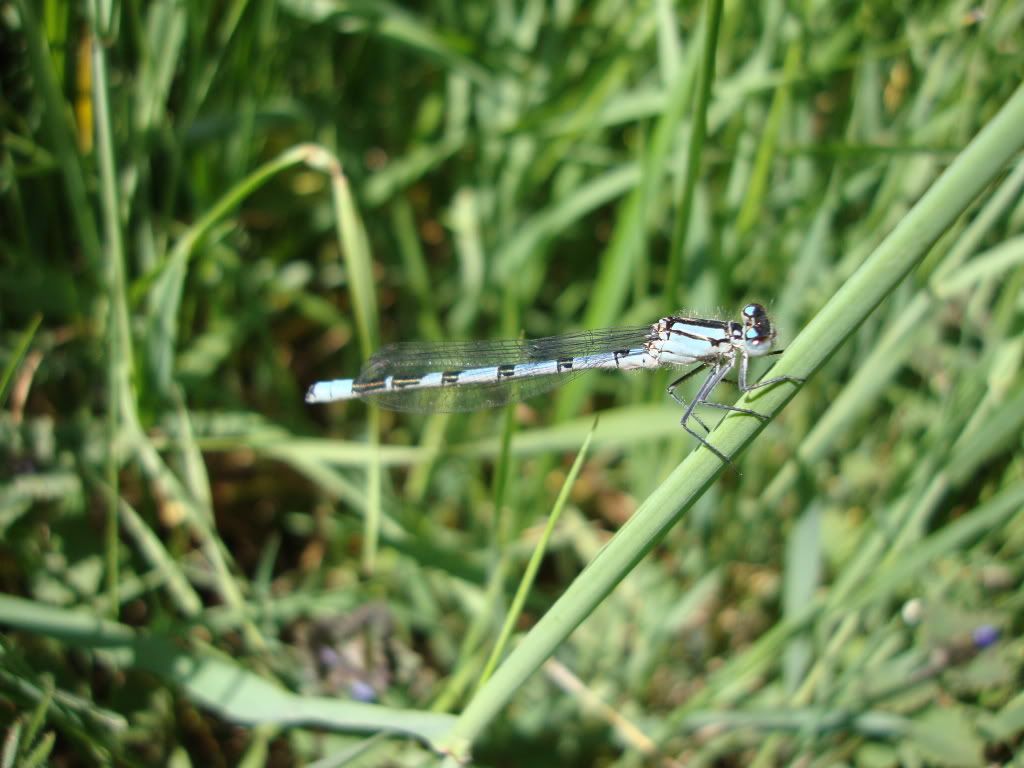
758,331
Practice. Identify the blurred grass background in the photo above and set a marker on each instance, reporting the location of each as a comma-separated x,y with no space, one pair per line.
206,208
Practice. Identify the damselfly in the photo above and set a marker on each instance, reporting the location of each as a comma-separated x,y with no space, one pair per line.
463,376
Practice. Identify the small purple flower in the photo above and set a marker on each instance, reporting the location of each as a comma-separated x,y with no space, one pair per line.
985,635
362,691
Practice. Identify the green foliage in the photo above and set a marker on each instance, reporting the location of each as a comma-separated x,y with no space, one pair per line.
206,207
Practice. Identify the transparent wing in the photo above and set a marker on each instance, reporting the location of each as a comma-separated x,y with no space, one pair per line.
469,397
418,359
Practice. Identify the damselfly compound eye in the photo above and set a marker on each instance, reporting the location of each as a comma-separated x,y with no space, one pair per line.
758,333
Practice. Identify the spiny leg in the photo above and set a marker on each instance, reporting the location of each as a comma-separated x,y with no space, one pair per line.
735,409
717,374
744,387
770,381
672,393
710,403
725,459
698,401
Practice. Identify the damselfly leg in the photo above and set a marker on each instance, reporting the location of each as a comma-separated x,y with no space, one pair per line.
717,375
744,387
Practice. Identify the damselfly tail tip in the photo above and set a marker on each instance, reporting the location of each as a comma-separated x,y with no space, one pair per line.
329,391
